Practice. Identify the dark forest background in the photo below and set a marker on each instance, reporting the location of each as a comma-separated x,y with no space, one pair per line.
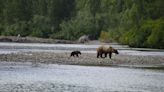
138,23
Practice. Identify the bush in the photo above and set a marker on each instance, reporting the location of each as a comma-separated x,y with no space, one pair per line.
134,37
21,28
156,39
1,29
150,34
75,28
40,26
104,36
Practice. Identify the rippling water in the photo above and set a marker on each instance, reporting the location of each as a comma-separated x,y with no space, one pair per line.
85,78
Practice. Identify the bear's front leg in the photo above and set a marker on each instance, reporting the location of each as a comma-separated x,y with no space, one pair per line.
98,55
105,55
71,55
77,55
101,55
110,55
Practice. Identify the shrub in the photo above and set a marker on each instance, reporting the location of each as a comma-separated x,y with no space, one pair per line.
21,28
149,34
40,26
76,27
156,39
104,36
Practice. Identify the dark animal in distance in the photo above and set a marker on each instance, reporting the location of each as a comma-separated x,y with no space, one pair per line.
104,51
75,53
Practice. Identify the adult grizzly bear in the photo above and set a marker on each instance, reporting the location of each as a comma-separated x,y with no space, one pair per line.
104,50
75,53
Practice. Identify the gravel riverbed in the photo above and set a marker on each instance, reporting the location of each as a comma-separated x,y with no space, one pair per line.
84,59
27,67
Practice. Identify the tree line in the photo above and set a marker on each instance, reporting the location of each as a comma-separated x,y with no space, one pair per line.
138,23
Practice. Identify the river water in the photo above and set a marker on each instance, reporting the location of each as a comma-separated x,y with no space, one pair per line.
23,77
67,78
6,48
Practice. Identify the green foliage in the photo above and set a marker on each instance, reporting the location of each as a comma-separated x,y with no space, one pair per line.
150,35
104,36
1,29
35,12
156,39
76,27
40,26
21,27
138,23
134,37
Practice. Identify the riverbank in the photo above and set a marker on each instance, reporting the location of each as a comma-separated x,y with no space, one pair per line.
84,59
33,40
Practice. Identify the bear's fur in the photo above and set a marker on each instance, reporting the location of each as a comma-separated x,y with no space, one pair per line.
104,50
75,53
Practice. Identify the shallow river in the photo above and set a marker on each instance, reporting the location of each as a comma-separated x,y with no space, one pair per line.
68,78
24,77
6,48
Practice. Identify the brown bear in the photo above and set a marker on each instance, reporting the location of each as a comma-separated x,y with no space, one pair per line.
75,53
104,50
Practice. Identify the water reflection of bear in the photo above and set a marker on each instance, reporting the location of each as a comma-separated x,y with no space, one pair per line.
104,50
75,53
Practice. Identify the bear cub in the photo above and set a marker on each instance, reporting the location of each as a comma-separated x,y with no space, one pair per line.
75,53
